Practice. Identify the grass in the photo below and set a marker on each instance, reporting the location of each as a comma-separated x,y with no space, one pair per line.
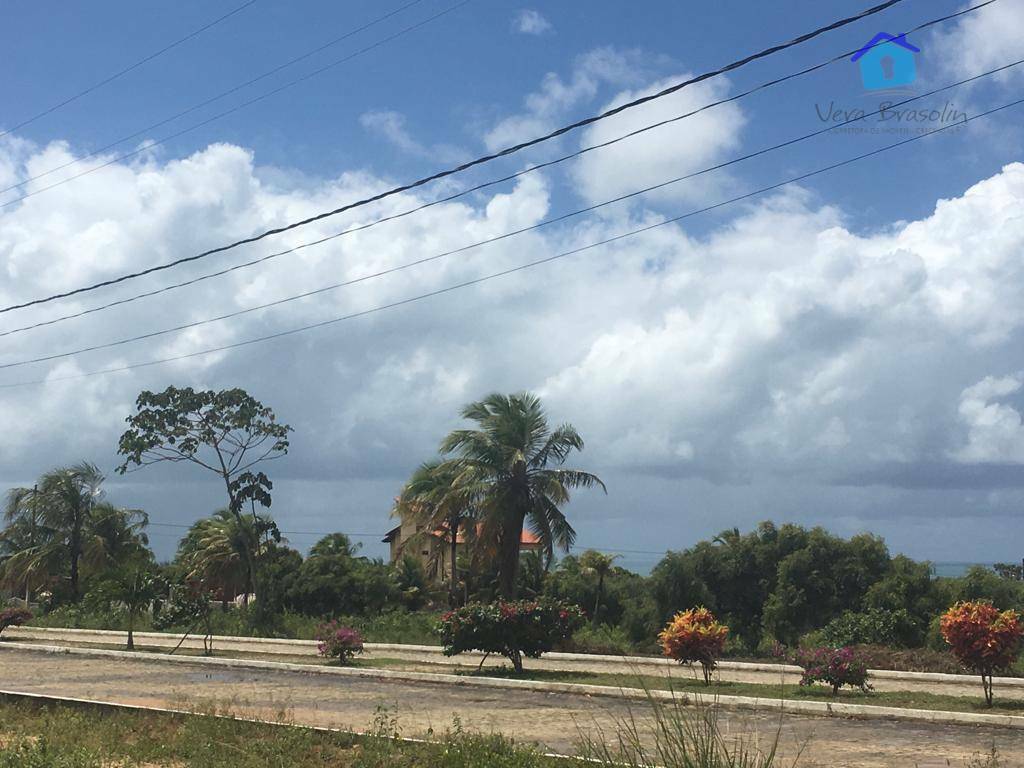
36,735
395,626
41,735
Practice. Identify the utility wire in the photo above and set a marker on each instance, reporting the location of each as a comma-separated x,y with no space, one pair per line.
478,161
207,102
518,268
150,145
506,235
125,71
476,188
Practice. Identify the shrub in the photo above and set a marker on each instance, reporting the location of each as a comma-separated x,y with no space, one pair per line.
874,627
695,635
513,629
13,617
833,666
983,639
339,642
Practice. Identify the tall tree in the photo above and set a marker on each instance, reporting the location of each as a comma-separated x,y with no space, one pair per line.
68,495
599,565
434,498
228,433
512,464
27,554
214,551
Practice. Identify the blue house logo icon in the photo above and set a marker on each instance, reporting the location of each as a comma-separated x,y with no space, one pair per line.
887,62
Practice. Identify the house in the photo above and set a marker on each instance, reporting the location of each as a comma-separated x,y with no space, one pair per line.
887,62
433,549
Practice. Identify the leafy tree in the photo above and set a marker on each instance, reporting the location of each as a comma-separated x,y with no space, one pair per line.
437,502
228,433
333,581
598,565
984,639
695,636
512,465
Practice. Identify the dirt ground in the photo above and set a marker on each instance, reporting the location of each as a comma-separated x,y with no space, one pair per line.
552,720
433,662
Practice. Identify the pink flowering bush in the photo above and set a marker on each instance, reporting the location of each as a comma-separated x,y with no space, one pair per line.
13,617
338,642
833,666
514,630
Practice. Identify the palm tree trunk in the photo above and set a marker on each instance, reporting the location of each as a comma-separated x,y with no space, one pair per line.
453,528
508,557
76,553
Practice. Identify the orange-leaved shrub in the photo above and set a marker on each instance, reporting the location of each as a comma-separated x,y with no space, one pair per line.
984,639
695,636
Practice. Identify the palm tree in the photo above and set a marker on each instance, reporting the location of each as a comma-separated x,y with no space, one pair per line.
68,495
506,465
600,565
28,557
435,500
114,536
215,551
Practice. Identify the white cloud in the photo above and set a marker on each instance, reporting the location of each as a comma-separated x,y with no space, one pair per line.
556,96
981,41
995,432
666,152
391,126
530,22
779,344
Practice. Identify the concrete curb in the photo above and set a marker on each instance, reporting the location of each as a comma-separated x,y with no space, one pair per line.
44,633
814,708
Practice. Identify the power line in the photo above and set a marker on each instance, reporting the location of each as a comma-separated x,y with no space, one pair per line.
125,71
478,161
181,526
204,103
481,186
236,108
506,235
519,268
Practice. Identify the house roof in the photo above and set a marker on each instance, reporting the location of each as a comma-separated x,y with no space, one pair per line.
883,37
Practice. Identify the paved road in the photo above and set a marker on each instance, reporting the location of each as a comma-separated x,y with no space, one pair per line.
553,720
965,686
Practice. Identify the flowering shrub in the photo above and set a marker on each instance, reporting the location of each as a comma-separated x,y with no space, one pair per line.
13,617
338,642
833,666
695,636
514,630
983,639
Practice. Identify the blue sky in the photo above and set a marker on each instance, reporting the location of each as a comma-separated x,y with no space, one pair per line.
873,382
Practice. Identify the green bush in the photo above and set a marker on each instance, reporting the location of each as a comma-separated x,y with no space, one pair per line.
608,641
873,627
515,629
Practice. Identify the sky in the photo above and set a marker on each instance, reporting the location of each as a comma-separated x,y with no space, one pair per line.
843,351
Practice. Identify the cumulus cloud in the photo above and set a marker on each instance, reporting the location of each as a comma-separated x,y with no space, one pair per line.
983,40
780,345
530,22
995,432
557,96
672,150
